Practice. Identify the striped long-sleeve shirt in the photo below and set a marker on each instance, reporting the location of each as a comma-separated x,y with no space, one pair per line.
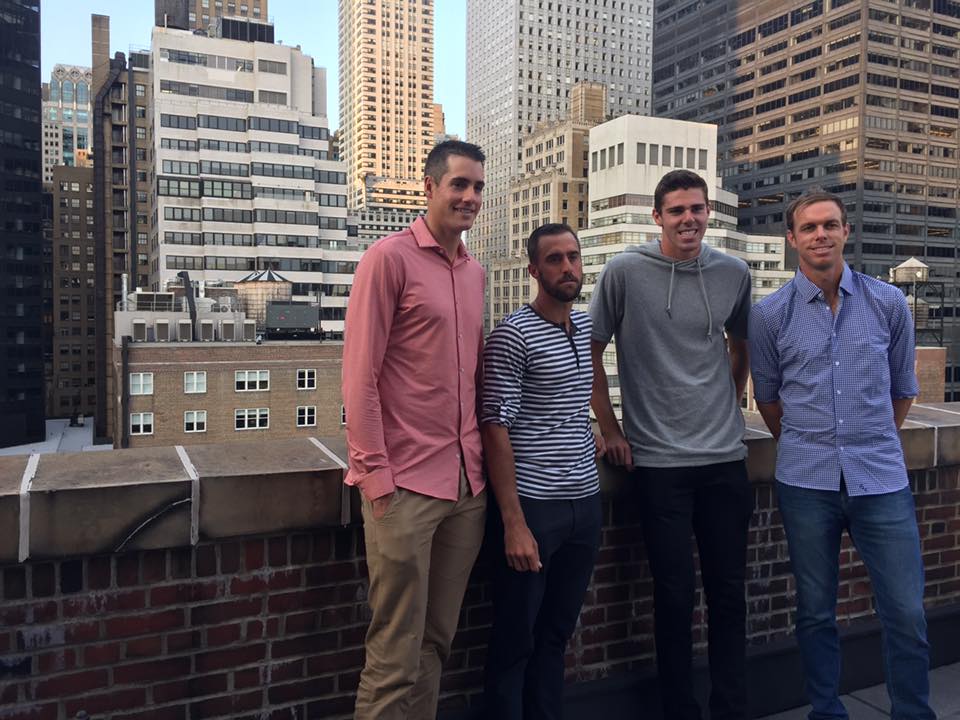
537,381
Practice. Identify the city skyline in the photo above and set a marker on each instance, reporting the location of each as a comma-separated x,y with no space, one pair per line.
131,24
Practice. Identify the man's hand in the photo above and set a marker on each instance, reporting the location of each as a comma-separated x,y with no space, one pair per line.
379,505
522,551
600,444
618,450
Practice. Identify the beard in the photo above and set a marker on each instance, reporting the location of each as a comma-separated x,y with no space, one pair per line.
563,292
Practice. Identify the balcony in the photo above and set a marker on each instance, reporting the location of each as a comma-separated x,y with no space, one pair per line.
228,580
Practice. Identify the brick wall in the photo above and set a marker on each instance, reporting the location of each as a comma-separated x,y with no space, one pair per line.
273,627
169,361
930,366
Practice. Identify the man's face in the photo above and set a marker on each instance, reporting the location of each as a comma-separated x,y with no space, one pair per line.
453,203
683,219
818,236
559,268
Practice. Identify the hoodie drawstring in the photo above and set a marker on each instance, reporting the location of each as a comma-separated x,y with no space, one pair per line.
673,267
706,302
703,294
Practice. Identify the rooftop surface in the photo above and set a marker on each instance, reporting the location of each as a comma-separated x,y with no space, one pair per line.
872,703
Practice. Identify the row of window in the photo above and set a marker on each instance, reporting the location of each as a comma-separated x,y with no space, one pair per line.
195,381
195,421
232,124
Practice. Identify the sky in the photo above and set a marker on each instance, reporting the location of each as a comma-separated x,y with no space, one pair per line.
311,24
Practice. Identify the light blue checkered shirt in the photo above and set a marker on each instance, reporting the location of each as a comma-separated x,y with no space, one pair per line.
836,376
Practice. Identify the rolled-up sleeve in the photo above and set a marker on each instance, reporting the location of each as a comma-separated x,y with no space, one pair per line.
504,359
764,357
903,378
370,312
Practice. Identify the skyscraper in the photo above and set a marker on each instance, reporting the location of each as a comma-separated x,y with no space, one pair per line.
67,125
386,99
21,239
523,58
851,96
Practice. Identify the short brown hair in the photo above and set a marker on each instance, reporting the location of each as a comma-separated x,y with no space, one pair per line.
678,180
809,197
436,165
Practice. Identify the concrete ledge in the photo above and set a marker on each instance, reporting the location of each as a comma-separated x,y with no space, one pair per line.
89,503
11,473
258,488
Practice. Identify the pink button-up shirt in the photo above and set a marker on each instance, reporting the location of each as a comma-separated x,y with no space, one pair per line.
412,342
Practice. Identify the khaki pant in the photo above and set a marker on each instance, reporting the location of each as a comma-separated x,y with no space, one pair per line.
419,556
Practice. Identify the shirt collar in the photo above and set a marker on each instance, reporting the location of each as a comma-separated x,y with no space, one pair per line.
808,290
425,239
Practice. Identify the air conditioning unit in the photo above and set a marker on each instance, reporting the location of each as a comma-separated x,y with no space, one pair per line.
228,330
184,330
139,330
249,330
206,330
162,331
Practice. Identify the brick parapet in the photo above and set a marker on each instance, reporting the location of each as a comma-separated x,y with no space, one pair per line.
271,623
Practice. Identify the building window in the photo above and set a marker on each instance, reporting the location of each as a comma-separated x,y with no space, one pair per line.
306,379
195,382
140,90
252,380
141,423
307,416
252,418
343,415
195,421
141,383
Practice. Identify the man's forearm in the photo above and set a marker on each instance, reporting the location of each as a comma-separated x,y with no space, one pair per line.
901,406
600,393
772,414
502,473
739,364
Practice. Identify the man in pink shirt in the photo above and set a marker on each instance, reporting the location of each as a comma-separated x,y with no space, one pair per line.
414,332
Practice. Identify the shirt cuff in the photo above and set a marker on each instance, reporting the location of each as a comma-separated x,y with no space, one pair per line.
765,393
373,484
904,386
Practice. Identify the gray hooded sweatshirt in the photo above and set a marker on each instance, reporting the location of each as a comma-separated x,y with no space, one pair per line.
668,316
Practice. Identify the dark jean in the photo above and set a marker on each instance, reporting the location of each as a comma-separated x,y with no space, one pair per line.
713,503
884,530
534,614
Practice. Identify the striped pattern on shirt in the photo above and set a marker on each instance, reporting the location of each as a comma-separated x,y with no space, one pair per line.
536,383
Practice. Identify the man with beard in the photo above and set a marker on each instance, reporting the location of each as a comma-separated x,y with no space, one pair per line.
668,303
540,452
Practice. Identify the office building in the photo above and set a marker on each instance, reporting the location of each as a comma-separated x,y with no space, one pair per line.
67,125
246,179
188,375
860,98
551,188
523,59
205,14
21,237
628,156
387,116
72,386
122,185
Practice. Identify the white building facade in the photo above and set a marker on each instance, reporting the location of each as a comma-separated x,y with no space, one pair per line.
245,176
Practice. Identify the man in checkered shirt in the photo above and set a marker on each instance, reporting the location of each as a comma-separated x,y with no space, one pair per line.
832,360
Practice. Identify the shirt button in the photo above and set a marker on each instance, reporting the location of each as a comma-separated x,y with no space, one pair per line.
837,363
838,392
841,422
461,369
841,449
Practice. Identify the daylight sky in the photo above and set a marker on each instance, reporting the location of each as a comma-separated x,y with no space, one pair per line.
311,24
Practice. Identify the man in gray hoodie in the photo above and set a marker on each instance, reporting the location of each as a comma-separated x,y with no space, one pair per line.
668,303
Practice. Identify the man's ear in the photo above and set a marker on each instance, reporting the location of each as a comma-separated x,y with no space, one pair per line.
428,185
532,269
